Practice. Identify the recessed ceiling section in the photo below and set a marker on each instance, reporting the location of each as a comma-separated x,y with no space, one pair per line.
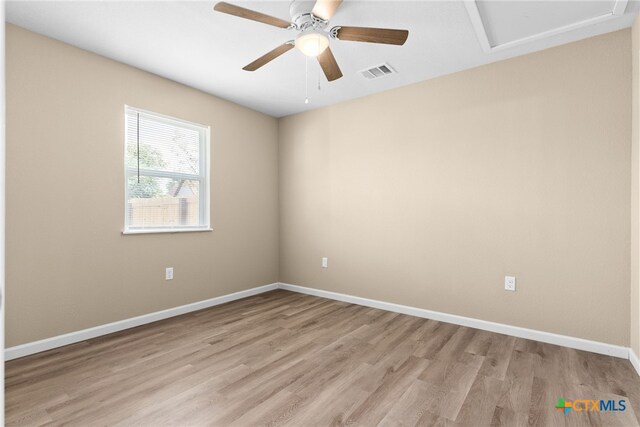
503,24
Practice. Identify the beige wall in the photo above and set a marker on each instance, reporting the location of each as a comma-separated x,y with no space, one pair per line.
430,194
426,195
635,191
69,269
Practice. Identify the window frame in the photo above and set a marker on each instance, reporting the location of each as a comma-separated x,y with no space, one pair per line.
204,177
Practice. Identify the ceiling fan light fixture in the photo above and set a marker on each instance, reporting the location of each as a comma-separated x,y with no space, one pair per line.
312,43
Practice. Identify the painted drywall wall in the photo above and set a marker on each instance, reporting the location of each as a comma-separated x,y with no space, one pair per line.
68,266
430,194
635,191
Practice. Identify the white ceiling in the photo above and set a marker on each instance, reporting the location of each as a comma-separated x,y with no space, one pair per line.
188,42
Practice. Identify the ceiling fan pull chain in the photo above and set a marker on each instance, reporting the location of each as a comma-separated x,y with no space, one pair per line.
306,79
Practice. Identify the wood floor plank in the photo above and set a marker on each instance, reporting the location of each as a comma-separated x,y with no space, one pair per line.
287,359
316,399
391,387
412,405
515,391
480,403
498,356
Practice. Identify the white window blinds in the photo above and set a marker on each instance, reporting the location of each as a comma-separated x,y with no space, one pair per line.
167,173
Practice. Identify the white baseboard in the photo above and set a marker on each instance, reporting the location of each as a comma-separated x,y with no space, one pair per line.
85,334
633,358
516,331
547,337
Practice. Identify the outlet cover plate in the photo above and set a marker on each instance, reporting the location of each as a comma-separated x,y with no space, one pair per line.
510,283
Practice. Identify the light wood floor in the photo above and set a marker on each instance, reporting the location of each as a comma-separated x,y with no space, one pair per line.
286,358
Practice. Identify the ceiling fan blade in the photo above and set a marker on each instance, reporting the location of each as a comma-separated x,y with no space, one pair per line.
250,14
372,35
324,9
329,65
268,57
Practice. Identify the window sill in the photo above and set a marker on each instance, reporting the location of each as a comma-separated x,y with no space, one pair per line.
167,230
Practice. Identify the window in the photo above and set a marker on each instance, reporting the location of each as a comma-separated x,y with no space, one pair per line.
166,174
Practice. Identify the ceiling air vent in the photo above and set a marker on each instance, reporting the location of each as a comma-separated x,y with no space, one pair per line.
379,71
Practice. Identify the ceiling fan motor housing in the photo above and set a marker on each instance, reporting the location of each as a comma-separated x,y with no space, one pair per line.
302,17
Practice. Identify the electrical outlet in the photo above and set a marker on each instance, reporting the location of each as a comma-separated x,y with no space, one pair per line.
509,283
168,273
325,262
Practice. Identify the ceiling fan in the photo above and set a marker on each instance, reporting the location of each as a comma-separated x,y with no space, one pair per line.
313,37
